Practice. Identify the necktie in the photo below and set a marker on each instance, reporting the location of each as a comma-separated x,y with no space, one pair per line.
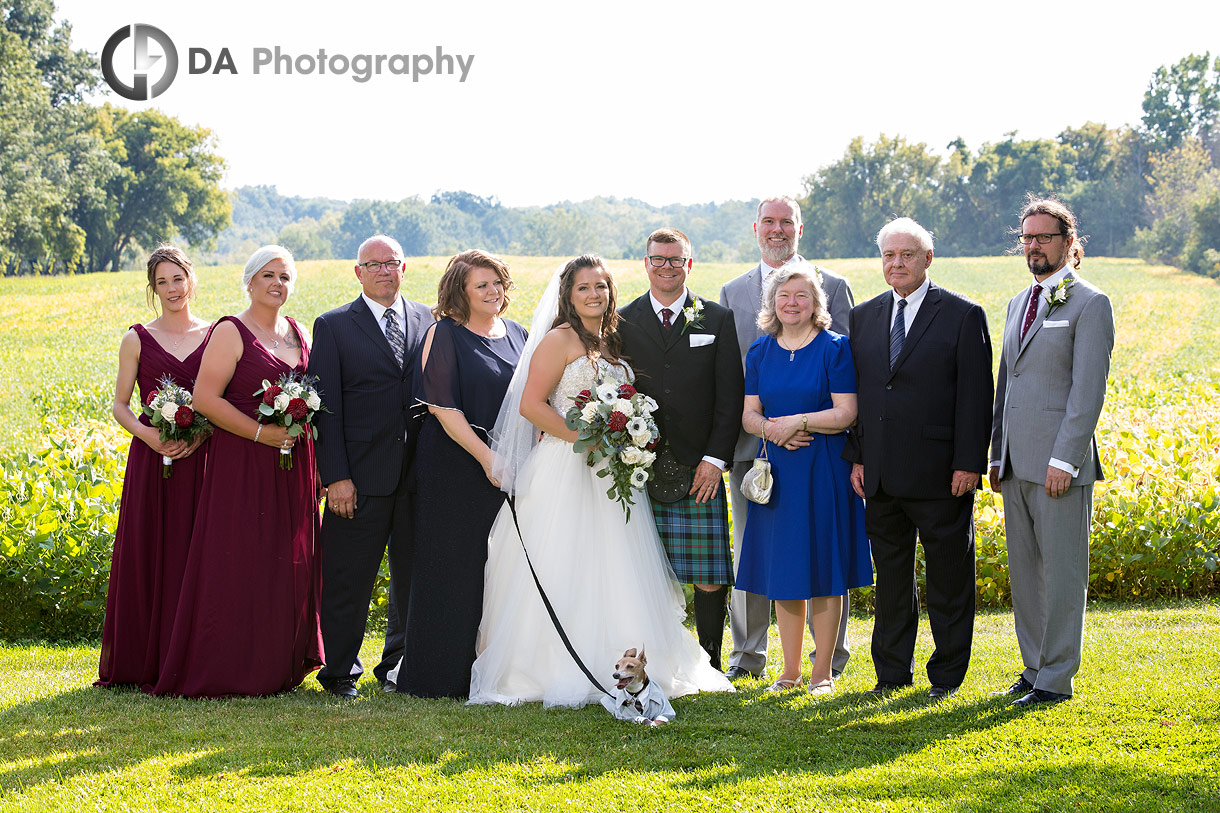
1031,311
898,333
393,334
666,318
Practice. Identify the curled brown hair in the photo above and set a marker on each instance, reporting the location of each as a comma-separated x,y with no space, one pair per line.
451,299
1067,222
609,344
165,253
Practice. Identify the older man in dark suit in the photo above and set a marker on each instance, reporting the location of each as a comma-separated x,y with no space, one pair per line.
362,355
777,227
919,449
684,353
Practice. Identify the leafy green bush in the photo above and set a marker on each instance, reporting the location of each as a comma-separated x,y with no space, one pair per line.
58,511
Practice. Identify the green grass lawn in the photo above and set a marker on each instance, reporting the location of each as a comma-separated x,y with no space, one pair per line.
1142,734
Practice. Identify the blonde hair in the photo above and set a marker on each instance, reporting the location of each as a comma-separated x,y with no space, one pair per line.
768,322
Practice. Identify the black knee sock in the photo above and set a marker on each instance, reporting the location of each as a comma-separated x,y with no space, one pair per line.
709,620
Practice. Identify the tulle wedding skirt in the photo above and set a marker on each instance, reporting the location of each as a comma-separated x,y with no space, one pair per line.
608,581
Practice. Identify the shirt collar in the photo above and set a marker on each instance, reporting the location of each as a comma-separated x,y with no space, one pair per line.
767,270
379,310
915,298
676,307
1053,280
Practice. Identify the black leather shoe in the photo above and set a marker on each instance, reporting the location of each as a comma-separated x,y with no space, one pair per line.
739,673
345,689
389,686
884,687
1038,697
940,692
1019,689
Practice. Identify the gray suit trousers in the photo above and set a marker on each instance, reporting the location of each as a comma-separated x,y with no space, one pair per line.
750,613
1048,564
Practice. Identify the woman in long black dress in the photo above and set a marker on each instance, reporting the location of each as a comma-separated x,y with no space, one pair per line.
466,364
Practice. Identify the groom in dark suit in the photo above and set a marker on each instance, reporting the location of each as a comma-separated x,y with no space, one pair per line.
684,352
362,355
919,450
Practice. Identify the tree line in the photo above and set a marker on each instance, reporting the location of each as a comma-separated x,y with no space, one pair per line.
88,187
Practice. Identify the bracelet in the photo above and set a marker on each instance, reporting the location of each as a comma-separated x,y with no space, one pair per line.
258,432
804,422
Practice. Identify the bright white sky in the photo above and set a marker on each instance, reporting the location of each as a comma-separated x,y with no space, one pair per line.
662,101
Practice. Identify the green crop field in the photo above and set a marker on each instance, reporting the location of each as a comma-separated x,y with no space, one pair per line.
1140,735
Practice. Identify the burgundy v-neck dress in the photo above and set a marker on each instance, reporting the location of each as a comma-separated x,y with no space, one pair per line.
150,543
247,620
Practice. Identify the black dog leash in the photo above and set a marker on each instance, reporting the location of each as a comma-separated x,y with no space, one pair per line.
563,636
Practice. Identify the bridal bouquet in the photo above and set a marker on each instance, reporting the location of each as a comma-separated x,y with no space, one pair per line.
617,435
169,410
291,402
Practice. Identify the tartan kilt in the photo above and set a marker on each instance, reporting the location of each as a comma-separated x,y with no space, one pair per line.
696,538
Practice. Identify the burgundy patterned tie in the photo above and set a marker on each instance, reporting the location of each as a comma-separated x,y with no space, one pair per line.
1031,311
666,318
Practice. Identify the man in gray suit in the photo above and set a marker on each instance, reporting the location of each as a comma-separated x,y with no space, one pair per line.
1051,385
777,228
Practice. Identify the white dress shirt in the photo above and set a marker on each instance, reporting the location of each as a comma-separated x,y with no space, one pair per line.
399,307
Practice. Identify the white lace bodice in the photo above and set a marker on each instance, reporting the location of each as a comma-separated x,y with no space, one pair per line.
583,374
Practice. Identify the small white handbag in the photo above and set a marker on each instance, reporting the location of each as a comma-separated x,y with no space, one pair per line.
756,485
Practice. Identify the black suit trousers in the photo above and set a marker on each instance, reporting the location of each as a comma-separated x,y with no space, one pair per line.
945,529
351,556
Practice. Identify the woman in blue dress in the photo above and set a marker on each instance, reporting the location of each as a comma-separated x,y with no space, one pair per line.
807,542
467,361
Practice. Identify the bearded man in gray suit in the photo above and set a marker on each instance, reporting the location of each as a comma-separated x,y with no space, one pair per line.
777,227
1054,362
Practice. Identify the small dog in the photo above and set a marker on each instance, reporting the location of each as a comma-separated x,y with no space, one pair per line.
636,698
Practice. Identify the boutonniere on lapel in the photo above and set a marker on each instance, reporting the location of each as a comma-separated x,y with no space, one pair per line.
1058,295
693,314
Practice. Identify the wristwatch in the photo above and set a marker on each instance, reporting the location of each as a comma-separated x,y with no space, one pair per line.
804,422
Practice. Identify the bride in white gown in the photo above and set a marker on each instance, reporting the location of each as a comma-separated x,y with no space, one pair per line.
608,579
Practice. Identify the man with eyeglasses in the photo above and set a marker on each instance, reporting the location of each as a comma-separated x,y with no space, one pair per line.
1051,385
777,227
683,351
363,355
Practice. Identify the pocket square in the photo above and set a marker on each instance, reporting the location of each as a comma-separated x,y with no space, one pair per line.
1056,323
704,339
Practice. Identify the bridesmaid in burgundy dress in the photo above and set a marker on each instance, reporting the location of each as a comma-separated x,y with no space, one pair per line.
156,514
247,621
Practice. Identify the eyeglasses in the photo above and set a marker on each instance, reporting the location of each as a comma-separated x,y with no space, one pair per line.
1042,239
375,266
673,262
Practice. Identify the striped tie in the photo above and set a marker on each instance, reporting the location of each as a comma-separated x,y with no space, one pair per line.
898,333
393,333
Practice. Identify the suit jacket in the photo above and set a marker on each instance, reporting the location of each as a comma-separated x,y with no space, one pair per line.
1051,386
368,430
693,373
743,296
931,414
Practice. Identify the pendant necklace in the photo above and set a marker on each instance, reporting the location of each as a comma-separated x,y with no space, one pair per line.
792,350
275,343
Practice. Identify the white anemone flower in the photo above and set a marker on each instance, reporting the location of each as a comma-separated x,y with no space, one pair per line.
607,392
639,477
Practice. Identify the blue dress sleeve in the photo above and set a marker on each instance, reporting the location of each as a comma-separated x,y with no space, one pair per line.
754,357
840,370
440,381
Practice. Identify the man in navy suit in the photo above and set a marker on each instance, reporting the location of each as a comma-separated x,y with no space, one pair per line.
919,450
363,356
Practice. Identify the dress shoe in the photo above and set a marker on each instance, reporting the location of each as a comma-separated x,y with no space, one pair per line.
941,692
884,687
345,689
389,686
1019,689
1039,696
739,673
